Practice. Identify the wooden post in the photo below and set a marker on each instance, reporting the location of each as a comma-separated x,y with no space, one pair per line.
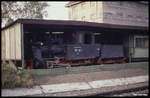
22,46
129,48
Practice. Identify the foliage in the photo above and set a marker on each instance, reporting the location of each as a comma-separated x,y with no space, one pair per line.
12,78
12,10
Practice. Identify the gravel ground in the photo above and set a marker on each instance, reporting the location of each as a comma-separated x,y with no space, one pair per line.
103,90
91,76
137,93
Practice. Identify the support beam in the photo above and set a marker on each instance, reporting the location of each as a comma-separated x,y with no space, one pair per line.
22,45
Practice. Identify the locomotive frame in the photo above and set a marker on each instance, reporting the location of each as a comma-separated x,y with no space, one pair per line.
81,42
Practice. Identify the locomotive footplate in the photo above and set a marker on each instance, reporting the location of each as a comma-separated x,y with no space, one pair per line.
56,62
80,61
111,60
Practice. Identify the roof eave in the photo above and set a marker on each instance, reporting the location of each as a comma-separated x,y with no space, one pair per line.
16,21
77,2
76,23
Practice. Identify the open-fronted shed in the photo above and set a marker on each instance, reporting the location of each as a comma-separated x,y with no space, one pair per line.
14,35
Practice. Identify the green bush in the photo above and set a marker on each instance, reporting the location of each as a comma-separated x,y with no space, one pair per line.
12,78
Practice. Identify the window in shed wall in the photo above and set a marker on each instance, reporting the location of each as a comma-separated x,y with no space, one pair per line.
141,42
141,46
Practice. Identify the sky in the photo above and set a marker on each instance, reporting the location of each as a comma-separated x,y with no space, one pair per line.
57,10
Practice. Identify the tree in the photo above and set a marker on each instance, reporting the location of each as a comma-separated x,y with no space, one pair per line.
13,10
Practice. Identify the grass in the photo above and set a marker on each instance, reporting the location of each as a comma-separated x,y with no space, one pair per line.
117,67
12,78
41,73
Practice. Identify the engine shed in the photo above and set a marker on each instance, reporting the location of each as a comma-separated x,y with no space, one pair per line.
27,40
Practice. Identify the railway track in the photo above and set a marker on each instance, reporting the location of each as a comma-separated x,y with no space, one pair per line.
139,91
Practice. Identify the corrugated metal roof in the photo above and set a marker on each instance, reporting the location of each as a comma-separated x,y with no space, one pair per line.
76,23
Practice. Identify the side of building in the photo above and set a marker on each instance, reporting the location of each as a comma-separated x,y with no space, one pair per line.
123,13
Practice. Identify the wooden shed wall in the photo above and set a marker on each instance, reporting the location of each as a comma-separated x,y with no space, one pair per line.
3,45
11,43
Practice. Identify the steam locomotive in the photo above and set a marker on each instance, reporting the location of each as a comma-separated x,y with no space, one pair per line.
73,49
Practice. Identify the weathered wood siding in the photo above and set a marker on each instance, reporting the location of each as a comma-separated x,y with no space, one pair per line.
3,45
18,41
11,43
7,42
94,9
122,13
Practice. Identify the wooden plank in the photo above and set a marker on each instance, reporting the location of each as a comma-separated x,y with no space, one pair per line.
3,45
18,41
10,37
7,44
4,52
12,43
15,42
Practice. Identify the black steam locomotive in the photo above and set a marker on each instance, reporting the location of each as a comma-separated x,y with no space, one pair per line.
72,48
